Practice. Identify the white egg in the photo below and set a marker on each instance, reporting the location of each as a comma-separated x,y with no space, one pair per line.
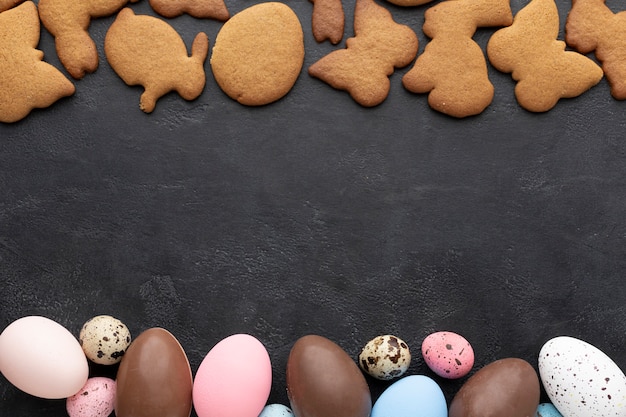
42,358
581,380
276,410
385,357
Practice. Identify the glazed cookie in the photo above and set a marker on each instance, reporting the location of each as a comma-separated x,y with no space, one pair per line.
592,27
379,46
144,50
8,4
68,21
258,54
27,82
202,9
452,69
327,21
544,71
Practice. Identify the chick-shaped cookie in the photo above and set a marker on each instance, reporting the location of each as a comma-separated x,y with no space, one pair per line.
592,27
26,82
145,50
68,21
544,71
453,69
363,68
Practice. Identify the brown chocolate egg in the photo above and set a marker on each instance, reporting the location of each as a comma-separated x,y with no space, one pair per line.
507,387
324,381
154,378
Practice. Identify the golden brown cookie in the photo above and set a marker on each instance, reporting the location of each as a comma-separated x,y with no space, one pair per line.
379,46
327,21
201,9
452,69
544,71
258,53
27,82
145,50
68,21
409,3
592,27
8,4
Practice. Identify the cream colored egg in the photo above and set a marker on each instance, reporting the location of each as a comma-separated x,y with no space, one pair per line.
104,339
42,358
385,357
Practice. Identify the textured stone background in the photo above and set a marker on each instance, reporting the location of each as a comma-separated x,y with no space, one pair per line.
315,215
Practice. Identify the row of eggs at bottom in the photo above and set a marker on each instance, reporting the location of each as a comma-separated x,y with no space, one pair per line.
154,378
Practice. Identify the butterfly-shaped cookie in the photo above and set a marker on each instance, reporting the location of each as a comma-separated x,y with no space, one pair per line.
592,27
26,81
543,69
379,46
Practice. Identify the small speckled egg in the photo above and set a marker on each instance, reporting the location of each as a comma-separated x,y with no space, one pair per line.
276,410
95,399
104,339
581,380
547,410
448,354
385,357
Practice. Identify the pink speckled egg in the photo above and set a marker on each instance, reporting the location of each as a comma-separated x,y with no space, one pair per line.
448,354
234,379
95,399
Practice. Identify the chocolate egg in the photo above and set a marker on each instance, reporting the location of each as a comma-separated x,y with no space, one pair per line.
324,381
507,387
154,378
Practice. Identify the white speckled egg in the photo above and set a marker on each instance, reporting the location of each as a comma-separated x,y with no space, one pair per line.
385,357
104,339
276,410
95,399
581,380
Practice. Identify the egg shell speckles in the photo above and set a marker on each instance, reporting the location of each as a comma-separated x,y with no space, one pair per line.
385,357
276,410
547,410
581,380
104,339
95,399
448,354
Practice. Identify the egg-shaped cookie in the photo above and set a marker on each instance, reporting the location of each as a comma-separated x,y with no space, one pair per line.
258,54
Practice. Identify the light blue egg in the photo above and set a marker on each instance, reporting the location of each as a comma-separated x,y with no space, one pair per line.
411,396
547,410
276,410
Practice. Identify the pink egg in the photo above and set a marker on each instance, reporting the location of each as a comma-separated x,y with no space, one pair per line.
96,399
448,354
234,379
42,358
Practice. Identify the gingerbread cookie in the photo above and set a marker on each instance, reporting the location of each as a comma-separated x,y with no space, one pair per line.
452,69
145,50
592,27
327,21
202,9
68,21
544,71
27,82
379,46
8,4
258,54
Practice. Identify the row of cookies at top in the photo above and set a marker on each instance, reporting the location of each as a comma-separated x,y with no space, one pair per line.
452,70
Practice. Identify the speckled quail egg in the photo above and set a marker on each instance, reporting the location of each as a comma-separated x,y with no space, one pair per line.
385,357
104,339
